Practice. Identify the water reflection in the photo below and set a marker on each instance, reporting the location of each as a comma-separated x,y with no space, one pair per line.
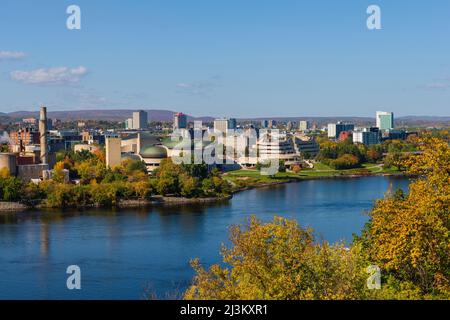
44,240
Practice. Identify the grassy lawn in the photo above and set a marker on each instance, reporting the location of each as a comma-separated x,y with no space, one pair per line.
247,177
254,174
322,166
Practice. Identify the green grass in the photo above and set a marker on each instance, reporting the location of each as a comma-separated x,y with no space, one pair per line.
250,178
322,166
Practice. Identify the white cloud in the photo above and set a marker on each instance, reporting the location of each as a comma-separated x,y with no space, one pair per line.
11,55
184,85
437,86
55,76
200,88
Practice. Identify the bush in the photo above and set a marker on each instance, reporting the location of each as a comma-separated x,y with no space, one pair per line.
346,161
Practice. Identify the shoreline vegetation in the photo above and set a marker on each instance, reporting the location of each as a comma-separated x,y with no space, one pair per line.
81,180
240,180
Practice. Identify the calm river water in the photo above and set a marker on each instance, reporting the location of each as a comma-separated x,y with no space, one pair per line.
124,254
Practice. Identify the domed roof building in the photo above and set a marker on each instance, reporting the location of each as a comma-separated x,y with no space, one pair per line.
145,147
130,156
152,151
152,155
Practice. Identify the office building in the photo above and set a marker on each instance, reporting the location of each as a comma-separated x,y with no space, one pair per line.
367,136
140,120
179,121
224,124
304,125
280,147
385,120
24,137
306,146
335,129
394,135
129,124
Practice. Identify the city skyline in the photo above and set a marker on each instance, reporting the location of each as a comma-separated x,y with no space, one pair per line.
229,59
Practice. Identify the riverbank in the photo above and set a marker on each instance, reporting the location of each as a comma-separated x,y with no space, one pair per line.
12,207
240,180
16,207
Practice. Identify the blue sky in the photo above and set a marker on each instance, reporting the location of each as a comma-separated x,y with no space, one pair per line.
252,58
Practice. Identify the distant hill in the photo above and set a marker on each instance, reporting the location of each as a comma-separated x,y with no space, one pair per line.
167,115
109,115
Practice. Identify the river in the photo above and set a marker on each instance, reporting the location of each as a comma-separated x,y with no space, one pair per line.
129,253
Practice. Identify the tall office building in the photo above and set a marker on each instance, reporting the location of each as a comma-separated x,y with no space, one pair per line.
264,123
304,125
140,120
129,124
385,120
179,121
224,124
335,129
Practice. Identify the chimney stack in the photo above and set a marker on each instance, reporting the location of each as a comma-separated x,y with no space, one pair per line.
43,134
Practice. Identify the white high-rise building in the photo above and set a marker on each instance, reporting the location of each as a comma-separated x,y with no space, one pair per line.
385,120
332,130
304,125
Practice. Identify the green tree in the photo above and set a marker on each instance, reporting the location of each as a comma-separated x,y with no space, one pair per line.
10,189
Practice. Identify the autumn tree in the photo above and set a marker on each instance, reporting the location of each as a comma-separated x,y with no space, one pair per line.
10,186
408,236
279,260
296,169
58,172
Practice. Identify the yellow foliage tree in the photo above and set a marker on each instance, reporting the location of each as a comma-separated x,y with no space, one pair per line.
4,173
408,237
279,260
58,174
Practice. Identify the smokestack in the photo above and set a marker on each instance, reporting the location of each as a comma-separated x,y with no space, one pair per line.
43,134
